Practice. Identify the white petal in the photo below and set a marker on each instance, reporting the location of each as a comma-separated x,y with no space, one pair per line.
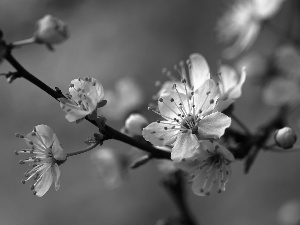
157,135
170,110
43,137
223,104
185,146
44,184
205,97
56,175
213,125
57,150
199,70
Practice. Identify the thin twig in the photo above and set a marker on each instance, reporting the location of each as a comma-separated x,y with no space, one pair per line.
84,150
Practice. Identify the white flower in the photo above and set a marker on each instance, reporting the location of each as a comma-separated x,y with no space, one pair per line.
51,30
208,168
188,117
83,98
243,23
110,167
48,155
135,123
198,74
230,86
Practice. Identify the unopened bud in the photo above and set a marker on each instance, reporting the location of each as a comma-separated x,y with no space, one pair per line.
285,137
135,123
51,30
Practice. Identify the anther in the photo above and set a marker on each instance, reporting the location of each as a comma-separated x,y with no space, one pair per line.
207,93
16,152
183,80
166,128
157,121
160,99
34,192
21,162
32,187
23,181
172,99
19,135
212,101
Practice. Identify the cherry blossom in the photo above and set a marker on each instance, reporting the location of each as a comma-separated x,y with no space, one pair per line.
48,156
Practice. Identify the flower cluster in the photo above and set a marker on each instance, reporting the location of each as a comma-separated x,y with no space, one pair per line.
193,122
48,155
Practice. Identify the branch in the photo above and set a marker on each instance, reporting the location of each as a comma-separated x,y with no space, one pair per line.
108,131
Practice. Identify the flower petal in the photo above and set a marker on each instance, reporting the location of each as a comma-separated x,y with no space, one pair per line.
157,135
43,185
199,70
185,146
171,104
223,104
213,125
57,151
56,175
205,97
42,137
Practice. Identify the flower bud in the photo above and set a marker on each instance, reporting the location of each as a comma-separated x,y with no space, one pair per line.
285,137
135,123
51,30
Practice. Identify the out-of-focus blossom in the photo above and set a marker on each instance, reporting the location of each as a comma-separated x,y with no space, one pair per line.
230,86
281,91
198,74
111,167
287,60
83,98
126,97
50,31
243,23
285,137
289,213
256,64
208,168
48,154
135,123
188,118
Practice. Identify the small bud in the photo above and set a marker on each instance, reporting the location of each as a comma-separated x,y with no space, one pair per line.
285,137
135,123
51,30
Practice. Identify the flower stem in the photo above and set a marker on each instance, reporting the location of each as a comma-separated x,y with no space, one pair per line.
241,124
108,131
84,150
21,43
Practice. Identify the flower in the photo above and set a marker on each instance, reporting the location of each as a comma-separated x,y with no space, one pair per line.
188,118
51,30
285,137
282,91
230,86
135,123
48,156
111,167
243,22
198,74
83,98
208,168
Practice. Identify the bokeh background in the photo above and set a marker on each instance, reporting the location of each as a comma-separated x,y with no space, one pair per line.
113,40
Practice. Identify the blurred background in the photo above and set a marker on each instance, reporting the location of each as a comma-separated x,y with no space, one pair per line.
128,41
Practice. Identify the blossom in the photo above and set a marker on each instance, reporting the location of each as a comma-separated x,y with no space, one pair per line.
111,167
83,98
48,156
198,74
51,30
230,86
187,118
135,123
208,168
285,137
243,23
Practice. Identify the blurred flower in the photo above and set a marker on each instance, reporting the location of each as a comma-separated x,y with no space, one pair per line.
111,167
198,74
83,98
255,63
281,91
51,30
209,167
243,23
187,119
126,97
48,156
285,137
230,86
287,60
135,123
289,213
